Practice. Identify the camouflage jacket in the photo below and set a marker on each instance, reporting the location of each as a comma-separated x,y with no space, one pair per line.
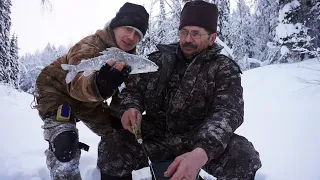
82,93
205,101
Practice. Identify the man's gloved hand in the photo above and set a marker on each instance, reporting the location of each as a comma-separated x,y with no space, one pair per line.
109,78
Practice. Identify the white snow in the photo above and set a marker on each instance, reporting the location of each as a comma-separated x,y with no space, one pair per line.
227,51
253,60
285,30
281,119
287,8
284,50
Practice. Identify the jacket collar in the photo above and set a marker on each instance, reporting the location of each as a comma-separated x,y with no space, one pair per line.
108,38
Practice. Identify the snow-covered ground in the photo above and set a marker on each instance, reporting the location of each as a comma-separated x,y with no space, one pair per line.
282,117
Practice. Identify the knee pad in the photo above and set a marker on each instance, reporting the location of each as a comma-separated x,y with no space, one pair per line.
65,146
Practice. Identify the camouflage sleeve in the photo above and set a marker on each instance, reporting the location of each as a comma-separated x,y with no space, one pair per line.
226,111
84,88
132,96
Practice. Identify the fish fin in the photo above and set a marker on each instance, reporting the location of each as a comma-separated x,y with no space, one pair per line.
67,67
70,76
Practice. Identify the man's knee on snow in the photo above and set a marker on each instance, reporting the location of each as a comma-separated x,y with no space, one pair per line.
65,146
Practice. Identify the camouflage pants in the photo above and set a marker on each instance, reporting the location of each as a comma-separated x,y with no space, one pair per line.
52,128
119,154
59,170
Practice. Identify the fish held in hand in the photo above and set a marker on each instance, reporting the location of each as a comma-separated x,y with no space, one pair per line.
138,64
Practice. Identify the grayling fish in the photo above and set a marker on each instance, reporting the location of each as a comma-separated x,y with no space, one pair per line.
138,64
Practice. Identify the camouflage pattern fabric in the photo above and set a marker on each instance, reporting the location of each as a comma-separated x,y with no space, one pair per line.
59,170
52,128
62,171
202,98
206,93
239,161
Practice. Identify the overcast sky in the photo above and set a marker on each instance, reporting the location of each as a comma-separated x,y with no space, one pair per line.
68,22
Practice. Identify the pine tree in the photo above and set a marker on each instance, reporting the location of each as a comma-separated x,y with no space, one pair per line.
32,64
163,28
241,34
5,24
224,21
161,22
175,19
14,65
291,33
265,22
311,9
148,43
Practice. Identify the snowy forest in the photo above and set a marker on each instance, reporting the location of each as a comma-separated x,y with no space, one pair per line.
255,33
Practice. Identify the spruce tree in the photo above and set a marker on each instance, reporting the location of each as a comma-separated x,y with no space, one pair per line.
5,24
292,33
265,21
242,34
13,73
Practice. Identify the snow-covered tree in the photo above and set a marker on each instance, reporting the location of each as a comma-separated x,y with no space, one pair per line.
32,64
224,20
265,22
163,27
5,24
161,21
311,10
292,33
148,44
241,34
13,70
49,54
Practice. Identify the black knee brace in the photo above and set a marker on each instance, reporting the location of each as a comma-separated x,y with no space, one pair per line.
65,146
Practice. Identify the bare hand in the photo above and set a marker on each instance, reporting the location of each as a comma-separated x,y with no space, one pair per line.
131,117
187,166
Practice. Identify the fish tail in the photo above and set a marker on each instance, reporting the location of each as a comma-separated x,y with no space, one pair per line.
72,72
70,76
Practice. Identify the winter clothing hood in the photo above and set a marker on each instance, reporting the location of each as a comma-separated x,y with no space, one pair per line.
132,15
199,13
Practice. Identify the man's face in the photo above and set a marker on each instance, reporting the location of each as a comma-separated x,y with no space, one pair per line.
127,38
194,40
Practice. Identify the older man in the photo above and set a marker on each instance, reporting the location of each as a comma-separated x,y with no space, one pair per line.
61,105
193,105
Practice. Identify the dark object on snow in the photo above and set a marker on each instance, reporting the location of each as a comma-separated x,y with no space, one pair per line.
161,167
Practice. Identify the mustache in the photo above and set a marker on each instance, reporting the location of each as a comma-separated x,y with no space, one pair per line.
189,44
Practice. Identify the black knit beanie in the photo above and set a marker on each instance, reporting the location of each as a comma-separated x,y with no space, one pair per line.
133,15
199,13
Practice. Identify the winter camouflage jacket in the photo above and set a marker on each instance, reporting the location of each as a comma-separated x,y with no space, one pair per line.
202,99
82,93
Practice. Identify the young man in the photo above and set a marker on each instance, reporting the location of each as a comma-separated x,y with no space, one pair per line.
61,105
193,105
